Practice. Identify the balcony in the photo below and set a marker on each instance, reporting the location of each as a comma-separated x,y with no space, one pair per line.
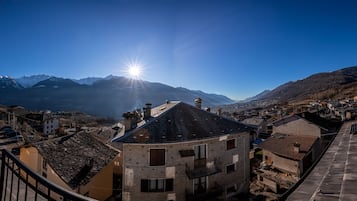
18,182
210,194
202,168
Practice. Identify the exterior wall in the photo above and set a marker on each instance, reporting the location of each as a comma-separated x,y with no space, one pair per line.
298,127
291,166
50,126
100,187
270,183
136,167
283,164
31,158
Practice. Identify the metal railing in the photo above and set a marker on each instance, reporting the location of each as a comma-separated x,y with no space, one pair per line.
18,182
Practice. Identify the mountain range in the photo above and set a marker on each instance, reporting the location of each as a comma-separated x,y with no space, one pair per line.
113,95
110,96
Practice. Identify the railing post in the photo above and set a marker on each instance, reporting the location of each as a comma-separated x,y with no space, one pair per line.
2,174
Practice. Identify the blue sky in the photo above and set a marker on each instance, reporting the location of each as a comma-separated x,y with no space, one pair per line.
236,48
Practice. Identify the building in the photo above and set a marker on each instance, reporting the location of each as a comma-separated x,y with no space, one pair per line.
180,152
286,158
291,154
50,125
257,122
297,125
78,162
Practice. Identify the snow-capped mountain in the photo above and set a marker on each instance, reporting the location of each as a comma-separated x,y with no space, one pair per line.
110,96
88,80
29,81
92,80
9,83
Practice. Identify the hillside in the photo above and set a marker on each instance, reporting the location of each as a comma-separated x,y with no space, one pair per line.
334,85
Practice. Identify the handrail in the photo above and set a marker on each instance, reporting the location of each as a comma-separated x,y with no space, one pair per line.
52,187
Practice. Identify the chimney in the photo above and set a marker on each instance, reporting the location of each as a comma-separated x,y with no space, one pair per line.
127,121
147,111
198,103
296,147
130,120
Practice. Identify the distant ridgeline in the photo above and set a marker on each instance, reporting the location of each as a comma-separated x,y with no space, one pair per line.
110,96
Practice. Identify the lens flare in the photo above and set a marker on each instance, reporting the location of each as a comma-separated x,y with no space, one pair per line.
134,71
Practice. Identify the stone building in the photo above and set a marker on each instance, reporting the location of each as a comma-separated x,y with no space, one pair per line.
180,152
78,162
286,158
291,154
51,125
297,125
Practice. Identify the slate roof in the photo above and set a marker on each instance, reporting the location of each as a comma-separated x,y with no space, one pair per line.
311,118
179,122
76,158
283,145
323,123
286,120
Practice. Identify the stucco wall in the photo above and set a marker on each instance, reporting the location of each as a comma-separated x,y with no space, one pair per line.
284,164
136,167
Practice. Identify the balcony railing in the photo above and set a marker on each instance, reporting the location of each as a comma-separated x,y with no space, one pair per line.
18,182
211,194
201,169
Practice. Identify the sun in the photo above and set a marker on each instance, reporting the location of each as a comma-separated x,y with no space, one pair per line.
134,71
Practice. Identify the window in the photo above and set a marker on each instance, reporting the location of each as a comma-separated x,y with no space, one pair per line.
231,144
169,184
44,174
157,185
200,185
200,151
200,155
157,157
230,168
44,165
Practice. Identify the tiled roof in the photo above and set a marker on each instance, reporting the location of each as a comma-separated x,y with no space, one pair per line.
321,122
324,124
253,121
283,145
181,122
76,158
286,120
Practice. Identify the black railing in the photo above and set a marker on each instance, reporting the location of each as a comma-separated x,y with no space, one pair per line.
18,182
210,194
201,170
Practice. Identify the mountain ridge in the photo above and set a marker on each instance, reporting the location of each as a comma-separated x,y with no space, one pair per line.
110,96
317,86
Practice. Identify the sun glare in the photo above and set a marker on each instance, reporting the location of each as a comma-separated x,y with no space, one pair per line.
134,71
